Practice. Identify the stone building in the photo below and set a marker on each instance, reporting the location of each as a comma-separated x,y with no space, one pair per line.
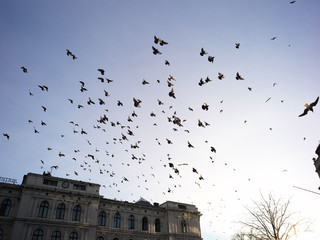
46,207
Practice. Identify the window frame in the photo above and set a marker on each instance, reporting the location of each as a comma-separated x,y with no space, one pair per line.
131,222
43,209
144,224
76,213
157,225
74,236
37,234
5,207
117,220
61,208
57,235
102,218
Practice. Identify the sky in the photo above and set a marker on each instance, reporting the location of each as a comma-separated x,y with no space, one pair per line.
261,145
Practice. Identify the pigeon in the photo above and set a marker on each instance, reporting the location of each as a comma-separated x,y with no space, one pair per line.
309,107
238,76
205,107
136,102
203,52
6,135
210,59
144,82
101,71
171,93
24,69
155,51
220,76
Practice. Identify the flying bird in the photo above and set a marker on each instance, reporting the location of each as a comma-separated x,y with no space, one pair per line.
155,51
69,53
6,135
170,78
203,52
190,145
213,149
220,76
205,107
24,69
210,59
238,76
136,102
101,71
237,45
144,82
171,93
309,107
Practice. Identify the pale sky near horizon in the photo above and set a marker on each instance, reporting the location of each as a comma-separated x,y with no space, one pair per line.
261,144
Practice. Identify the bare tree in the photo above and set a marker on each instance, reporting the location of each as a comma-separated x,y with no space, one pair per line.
269,219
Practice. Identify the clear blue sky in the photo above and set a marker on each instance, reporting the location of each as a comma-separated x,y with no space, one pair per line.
264,141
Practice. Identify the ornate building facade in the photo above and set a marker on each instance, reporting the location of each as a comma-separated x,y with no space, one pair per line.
44,207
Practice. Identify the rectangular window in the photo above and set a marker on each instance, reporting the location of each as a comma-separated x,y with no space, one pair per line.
50,182
79,187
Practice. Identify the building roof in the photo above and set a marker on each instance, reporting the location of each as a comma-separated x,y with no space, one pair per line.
144,202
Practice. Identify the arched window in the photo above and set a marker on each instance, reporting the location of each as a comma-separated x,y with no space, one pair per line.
100,238
1,234
144,224
131,222
56,235
157,224
73,236
43,210
60,211
76,213
102,218
37,234
116,222
5,207
183,226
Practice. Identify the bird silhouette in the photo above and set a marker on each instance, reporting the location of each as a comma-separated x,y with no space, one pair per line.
205,107
155,51
136,102
238,76
172,94
6,135
25,70
237,45
220,76
144,82
69,53
309,107
203,52
101,71
210,59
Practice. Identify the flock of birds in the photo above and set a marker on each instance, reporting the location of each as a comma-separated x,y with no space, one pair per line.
103,120
126,130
